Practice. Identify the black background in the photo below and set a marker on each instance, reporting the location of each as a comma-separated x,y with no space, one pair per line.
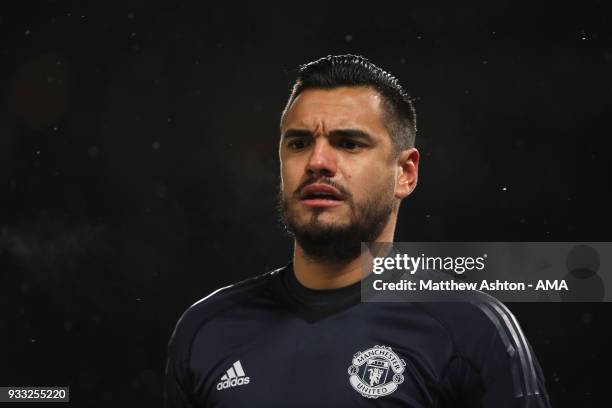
138,165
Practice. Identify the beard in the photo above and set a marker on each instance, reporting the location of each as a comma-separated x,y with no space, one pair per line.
333,242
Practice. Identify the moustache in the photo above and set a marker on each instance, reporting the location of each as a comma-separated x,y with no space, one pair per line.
323,180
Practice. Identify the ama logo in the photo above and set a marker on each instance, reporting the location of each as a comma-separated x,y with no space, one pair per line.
233,377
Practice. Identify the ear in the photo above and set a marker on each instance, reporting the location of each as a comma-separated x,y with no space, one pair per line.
407,172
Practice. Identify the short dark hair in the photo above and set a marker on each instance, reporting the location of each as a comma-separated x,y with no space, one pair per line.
354,70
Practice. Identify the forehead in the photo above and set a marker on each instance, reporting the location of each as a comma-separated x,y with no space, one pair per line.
359,107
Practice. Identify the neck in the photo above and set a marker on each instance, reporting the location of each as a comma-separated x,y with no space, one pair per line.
316,274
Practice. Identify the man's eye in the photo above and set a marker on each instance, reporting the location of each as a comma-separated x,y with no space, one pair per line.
349,145
296,144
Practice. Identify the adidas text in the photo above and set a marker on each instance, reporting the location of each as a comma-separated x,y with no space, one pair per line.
233,377
233,382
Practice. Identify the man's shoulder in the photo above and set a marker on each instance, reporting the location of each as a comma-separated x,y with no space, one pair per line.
478,321
222,300
472,310
234,292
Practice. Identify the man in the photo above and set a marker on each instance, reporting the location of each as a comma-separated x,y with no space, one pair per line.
299,336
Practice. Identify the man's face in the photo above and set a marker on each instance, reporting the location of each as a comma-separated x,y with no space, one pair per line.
338,173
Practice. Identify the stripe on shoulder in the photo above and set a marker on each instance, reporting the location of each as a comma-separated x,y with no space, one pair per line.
515,342
244,283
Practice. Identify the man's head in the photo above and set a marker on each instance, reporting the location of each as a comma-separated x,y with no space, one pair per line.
347,156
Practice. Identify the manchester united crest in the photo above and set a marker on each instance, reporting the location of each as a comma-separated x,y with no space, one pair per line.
376,372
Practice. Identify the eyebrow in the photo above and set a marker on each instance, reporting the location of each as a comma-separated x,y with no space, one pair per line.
352,133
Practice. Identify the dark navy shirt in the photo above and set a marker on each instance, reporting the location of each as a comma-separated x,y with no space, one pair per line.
271,342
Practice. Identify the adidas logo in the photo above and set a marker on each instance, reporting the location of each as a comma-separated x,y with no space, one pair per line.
233,377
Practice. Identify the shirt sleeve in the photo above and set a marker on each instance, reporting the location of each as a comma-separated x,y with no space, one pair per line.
506,373
176,394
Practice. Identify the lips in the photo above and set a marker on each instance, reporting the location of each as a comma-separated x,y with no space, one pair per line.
321,195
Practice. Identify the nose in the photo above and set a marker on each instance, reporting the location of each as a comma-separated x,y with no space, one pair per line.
322,160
